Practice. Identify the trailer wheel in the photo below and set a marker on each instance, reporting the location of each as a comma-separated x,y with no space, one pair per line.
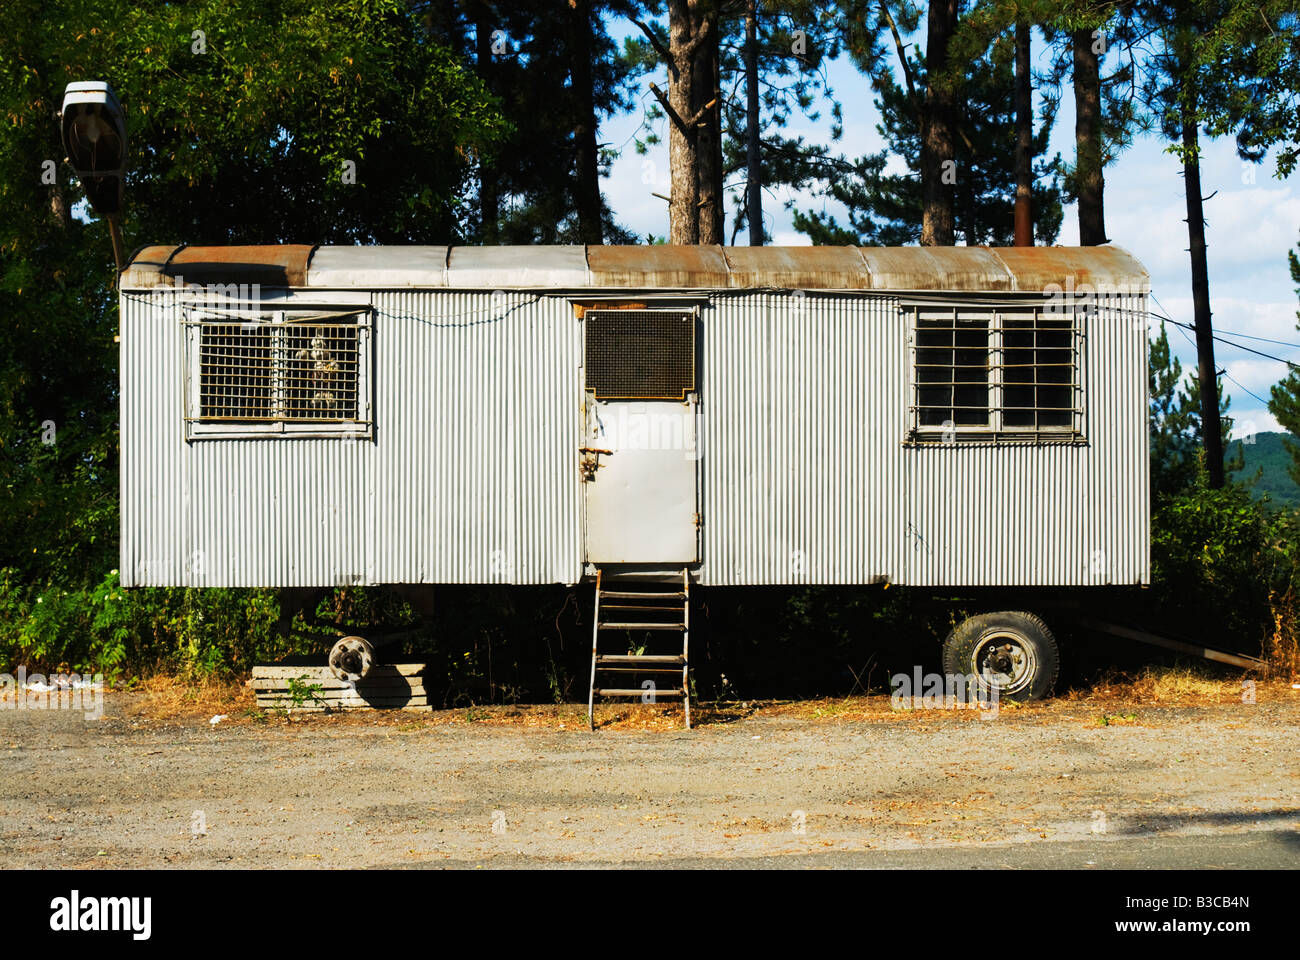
351,658
1012,652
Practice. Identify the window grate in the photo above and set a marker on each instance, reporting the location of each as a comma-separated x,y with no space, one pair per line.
237,372
278,374
639,354
295,371
1038,373
952,373
1012,373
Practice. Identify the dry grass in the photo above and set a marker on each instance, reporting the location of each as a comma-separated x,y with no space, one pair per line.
1178,686
1282,649
163,698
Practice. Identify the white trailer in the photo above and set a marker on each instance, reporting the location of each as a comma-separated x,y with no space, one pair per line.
297,416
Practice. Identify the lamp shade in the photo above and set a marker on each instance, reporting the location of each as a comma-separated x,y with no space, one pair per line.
94,138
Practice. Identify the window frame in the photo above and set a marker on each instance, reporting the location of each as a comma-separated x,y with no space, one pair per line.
198,428
995,429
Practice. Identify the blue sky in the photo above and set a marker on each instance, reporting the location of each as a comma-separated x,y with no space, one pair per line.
1251,223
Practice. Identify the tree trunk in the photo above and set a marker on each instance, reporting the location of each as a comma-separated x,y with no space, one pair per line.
586,186
938,154
488,189
59,206
1088,161
712,200
683,138
1024,140
1211,431
753,164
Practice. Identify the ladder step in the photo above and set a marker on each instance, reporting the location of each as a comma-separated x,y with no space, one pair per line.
640,693
640,606
630,601
641,626
640,595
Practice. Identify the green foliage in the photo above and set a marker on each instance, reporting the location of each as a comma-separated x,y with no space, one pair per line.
1174,422
105,629
1218,558
240,116
300,691
1172,444
524,53
1284,399
1226,66
1266,468
885,208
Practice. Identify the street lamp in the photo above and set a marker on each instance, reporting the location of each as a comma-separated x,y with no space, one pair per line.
94,139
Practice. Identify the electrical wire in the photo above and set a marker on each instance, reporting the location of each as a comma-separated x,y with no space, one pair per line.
1261,353
1229,376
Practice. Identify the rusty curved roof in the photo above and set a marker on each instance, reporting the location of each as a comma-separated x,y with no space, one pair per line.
896,269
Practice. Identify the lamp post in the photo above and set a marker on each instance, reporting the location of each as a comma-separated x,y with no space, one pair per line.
94,139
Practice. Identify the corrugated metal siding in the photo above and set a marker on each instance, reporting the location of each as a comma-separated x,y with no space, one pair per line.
477,432
155,505
803,404
1045,515
472,474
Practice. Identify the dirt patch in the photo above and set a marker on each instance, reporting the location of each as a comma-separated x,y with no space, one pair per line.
151,785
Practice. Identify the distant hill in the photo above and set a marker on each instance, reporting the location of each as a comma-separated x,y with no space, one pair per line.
1268,453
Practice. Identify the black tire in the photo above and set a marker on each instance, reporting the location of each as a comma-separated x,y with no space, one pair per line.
1011,651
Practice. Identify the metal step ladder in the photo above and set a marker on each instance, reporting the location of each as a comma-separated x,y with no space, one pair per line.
638,607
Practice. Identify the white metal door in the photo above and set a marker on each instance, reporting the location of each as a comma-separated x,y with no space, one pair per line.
639,462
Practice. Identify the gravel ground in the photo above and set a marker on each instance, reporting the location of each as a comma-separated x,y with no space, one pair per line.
1211,785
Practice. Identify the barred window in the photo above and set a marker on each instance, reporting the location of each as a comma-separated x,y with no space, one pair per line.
981,373
278,374
952,372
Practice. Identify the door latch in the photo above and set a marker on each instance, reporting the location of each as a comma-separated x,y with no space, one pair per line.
590,462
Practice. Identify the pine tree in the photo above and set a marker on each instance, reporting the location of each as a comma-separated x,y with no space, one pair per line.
1284,398
1175,422
888,208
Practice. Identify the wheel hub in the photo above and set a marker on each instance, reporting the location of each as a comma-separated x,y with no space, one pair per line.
1004,662
1001,659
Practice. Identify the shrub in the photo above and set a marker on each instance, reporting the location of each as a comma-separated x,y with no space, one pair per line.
106,629
1224,568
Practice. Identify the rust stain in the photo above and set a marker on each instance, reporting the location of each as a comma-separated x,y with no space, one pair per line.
581,307
796,268
936,268
1104,269
268,264
146,264
1037,268
658,265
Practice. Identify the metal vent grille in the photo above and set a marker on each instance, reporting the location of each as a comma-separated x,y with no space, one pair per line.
286,371
640,354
